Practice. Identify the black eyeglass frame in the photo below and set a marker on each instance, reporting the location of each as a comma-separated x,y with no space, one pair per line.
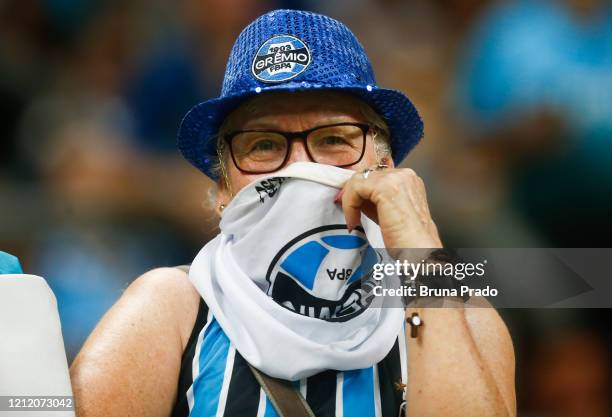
290,136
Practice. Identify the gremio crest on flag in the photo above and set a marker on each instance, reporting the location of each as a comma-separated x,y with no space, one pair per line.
324,273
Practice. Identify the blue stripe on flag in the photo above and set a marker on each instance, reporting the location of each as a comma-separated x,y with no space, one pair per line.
304,262
358,393
208,383
270,410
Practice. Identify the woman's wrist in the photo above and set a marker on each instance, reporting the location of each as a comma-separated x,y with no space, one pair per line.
429,286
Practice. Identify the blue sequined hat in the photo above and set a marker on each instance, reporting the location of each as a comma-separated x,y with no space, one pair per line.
292,50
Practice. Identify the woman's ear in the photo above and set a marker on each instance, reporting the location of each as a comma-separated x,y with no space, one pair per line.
388,161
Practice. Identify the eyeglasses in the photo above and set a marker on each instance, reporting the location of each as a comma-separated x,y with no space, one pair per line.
263,151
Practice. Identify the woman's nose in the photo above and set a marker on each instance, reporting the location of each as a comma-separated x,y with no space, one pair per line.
298,152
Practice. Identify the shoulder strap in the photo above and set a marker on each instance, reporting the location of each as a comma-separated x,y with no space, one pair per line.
287,401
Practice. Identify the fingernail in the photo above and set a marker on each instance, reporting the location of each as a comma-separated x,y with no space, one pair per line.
350,227
338,196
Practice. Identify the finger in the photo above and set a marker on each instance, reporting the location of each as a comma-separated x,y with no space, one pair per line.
351,206
367,207
357,199
338,197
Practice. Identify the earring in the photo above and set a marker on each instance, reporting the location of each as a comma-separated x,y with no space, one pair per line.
221,207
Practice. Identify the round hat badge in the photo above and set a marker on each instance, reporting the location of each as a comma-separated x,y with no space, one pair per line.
280,58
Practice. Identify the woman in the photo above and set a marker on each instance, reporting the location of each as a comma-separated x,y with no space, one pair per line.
298,88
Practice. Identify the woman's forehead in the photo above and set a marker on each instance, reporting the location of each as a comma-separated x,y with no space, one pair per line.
328,105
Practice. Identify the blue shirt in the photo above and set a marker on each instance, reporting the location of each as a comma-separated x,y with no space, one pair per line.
9,264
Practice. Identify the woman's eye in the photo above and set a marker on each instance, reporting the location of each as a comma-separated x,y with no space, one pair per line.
333,140
263,145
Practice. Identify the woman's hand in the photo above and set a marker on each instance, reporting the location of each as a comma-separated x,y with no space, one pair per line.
395,198
472,345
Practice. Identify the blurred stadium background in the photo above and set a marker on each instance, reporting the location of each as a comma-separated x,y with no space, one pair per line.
516,98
